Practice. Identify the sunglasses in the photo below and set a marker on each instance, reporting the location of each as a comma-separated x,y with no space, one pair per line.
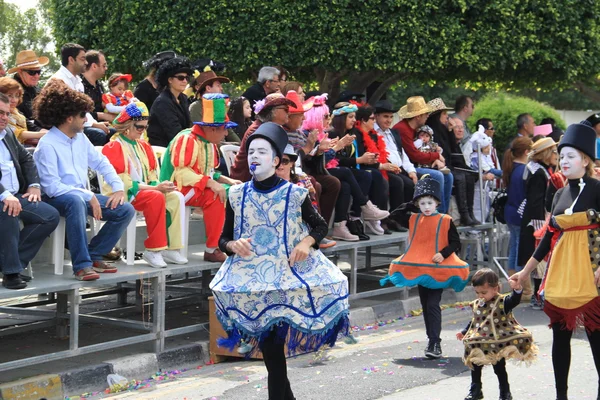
285,161
140,128
182,77
82,114
493,128
33,72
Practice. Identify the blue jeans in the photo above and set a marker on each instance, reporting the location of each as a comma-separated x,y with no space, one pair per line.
446,181
513,247
97,135
19,246
75,209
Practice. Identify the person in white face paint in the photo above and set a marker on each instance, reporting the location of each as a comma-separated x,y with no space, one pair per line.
276,283
570,286
430,260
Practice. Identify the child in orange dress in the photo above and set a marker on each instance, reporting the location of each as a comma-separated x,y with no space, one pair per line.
430,260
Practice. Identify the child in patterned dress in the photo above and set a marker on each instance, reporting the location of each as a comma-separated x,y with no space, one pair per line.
494,335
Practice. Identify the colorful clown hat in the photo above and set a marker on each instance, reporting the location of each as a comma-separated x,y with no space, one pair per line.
214,111
133,111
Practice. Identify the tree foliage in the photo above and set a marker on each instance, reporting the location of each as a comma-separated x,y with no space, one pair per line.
22,30
510,42
503,110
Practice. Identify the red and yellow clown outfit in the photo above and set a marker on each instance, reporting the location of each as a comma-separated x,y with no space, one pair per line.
136,164
191,161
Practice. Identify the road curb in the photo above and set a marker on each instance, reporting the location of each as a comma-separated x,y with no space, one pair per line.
42,386
92,378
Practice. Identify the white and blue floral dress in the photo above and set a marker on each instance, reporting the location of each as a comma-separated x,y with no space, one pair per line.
307,302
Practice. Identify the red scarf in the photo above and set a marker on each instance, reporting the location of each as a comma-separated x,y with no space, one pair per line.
372,147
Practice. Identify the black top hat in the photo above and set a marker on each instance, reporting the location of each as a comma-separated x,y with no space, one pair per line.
384,106
274,134
582,137
427,186
348,95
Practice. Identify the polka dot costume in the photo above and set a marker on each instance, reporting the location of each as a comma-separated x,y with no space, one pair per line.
494,335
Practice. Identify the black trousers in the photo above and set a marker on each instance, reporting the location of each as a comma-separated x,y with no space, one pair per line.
561,355
432,313
402,189
499,370
350,190
273,350
378,194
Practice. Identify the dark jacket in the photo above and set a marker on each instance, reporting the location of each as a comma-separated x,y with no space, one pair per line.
26,107
168,118
95,93
255,93
146,93
27,173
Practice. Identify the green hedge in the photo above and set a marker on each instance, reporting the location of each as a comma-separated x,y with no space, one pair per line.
503,110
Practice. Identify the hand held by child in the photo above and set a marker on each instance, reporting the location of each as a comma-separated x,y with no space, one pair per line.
438,258
515,284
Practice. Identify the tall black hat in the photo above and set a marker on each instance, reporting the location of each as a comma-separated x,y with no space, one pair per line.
427,186
348,95
384,106
582,137
274,134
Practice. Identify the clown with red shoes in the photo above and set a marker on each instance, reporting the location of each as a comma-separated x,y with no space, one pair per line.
137,166
191,162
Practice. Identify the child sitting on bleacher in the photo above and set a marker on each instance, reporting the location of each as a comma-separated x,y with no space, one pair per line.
425,144
119,96
484,142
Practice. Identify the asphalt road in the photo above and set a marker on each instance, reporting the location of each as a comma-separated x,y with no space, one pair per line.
388,364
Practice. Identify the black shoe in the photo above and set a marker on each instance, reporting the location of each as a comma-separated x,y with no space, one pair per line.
356,228
505,396
465,220
433,350
475,392
472,216
25,278
386,231
13,281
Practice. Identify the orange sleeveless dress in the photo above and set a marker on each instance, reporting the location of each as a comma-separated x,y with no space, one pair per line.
428,235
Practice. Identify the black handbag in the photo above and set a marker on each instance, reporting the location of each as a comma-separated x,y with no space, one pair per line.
498,206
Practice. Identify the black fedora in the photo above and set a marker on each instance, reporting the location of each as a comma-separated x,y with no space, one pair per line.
384,106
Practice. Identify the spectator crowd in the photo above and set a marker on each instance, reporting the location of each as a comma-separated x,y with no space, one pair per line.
156,149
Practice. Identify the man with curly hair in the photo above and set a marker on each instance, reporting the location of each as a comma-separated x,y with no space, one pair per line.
63,158
20,201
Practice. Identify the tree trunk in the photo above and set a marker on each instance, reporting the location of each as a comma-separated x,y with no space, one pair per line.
383,87
360,81
588,91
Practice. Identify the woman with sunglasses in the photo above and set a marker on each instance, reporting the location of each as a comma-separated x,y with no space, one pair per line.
160,202
16,120
170,113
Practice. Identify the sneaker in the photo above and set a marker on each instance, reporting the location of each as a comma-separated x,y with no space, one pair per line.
13,281
327,243
475,392
350,339
215,256
244,348
445,170
154,258
341,232
173,257
372,213
374,227
86,274
534,303
103,268
433,350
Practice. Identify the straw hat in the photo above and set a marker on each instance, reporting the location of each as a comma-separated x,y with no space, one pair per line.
27,59
542,145
414,107
438,104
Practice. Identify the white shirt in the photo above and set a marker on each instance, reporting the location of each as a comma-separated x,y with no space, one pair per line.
75,83
395,156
